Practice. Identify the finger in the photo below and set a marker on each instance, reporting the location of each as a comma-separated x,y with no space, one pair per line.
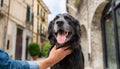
54,47
65,48
67,52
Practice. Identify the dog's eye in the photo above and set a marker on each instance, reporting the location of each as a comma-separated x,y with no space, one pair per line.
66,17
56,17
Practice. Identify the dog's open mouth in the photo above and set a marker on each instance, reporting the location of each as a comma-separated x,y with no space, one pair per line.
62,36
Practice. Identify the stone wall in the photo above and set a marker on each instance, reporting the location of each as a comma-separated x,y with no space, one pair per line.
2,26
89,16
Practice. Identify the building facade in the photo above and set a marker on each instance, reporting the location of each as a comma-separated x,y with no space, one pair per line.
100,36
41,12
16,19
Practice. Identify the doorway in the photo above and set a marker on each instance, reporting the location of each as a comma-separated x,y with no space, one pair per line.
19,39
27,43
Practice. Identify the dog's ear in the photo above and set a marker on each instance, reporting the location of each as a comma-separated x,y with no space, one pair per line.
78,29
76,25
50,33
50,30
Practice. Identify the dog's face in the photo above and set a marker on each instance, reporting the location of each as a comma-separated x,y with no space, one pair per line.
63,29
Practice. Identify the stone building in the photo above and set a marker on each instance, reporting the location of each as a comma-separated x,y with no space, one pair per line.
100,38
22,22
16,19
41,12
2,24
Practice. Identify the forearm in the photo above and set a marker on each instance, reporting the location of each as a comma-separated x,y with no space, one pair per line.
44,64
7,63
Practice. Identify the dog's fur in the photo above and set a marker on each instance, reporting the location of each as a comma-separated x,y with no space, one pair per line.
76,59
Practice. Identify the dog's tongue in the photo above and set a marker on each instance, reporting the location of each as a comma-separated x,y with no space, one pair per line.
61,38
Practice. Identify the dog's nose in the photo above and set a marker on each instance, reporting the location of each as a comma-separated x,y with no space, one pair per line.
60,23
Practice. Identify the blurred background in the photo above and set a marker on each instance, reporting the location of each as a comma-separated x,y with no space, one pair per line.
24,23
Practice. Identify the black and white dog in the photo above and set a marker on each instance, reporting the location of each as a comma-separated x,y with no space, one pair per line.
64,30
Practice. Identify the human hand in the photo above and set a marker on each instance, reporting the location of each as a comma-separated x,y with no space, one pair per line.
55,56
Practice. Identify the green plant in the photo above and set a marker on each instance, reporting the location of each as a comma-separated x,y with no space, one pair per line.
34,49
44,51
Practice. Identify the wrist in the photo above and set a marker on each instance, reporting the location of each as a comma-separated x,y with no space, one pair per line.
45,63
49,62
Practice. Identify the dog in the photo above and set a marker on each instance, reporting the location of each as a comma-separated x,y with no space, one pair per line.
64,30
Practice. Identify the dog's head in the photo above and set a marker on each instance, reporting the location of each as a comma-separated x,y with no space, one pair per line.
64,30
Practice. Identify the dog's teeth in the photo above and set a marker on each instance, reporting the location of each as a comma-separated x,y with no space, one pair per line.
67,33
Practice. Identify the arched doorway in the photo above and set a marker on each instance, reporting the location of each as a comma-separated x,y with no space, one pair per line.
84,44
96,38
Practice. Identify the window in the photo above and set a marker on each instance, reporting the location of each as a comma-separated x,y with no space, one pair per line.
40,28
41,13
111,36
8,43
1,2
38,31
117,13
118,23
44,14
27,44
110,43
67,1
43,17
37,9
28,14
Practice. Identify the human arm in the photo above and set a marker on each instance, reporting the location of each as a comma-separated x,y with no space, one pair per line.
7,63
55,56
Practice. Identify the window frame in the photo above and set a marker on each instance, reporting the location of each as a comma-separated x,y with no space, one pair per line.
110,8
37,9
1,3
28,14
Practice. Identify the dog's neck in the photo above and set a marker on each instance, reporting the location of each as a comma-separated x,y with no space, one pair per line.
59,45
